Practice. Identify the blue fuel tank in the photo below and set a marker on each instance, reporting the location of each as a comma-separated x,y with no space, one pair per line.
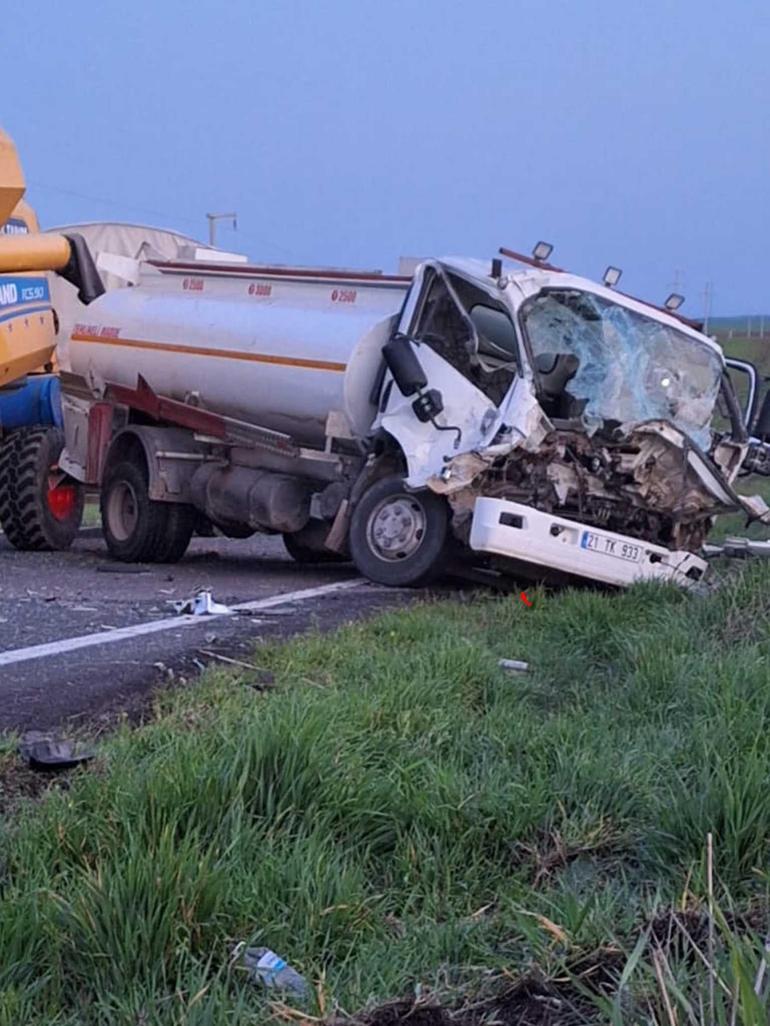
34,402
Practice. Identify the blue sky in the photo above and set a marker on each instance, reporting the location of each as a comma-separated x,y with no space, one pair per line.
353,131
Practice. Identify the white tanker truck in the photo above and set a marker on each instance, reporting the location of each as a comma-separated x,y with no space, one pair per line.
514,415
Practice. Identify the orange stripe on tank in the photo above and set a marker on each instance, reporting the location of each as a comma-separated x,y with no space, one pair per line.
224,354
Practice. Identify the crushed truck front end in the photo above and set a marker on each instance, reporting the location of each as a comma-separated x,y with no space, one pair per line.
581,433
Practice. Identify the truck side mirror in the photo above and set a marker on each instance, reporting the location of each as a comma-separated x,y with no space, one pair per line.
404,365
762,426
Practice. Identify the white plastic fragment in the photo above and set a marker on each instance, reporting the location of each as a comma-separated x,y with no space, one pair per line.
513,665
202,604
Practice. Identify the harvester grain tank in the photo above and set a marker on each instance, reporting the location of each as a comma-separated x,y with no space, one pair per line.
40,506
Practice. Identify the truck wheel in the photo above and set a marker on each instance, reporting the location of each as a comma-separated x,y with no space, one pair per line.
307,544
40,508
138,529
179,530
398,537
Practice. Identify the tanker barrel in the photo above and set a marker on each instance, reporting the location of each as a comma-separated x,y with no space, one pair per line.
68,255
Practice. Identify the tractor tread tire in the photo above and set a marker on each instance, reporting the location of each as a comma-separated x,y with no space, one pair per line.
26,458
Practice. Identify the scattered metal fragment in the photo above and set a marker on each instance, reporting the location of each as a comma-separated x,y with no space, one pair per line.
121,568
738,548
513,665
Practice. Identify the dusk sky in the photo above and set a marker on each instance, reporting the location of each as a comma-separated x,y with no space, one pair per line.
351,132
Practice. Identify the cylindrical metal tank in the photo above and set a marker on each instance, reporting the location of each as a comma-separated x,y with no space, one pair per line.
271,349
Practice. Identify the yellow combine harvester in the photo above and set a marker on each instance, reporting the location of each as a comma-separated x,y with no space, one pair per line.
40,507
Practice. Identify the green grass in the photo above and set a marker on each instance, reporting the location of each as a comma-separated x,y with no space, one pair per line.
755,350
91,514
400,813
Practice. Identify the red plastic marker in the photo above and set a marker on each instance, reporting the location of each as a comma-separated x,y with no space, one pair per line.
524,599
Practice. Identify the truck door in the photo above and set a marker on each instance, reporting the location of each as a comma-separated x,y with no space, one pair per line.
466,345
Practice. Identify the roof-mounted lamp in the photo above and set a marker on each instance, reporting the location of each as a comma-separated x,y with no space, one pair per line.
612,276
673,302
542,251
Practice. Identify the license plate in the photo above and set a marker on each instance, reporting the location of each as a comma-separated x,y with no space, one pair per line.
611,547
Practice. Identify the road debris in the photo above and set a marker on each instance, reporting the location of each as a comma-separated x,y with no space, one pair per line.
263,679
272,971
46,753
738,548
202,604
513,665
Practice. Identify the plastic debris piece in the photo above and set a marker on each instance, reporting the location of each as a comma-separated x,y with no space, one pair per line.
48,754
202,604
513,665
272,971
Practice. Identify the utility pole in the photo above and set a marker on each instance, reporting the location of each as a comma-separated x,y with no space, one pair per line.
708,295
213,218
677,285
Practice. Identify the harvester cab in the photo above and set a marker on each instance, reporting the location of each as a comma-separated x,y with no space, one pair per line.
40,506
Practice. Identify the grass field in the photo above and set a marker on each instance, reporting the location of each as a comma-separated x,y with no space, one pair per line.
399,817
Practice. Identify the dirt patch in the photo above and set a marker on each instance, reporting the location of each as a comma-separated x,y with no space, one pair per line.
551,852
682,933
18,782
530,1002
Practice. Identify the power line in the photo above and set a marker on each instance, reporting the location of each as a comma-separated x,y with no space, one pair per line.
173,218
113,202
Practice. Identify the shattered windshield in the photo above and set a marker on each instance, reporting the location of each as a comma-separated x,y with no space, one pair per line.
622,365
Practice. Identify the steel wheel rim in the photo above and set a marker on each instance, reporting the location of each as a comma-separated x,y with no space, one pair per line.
122,510
396,528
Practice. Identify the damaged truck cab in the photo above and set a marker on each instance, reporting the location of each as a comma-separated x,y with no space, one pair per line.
517,418
576,432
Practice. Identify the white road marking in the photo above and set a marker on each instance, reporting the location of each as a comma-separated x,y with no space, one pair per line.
137,630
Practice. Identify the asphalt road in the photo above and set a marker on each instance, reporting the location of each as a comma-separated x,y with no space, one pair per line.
83,638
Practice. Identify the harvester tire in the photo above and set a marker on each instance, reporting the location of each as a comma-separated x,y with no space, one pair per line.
137,529
40,509
399,538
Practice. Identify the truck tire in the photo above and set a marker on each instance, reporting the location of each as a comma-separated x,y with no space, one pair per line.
138,529
40,509
307,544
179,531
397,537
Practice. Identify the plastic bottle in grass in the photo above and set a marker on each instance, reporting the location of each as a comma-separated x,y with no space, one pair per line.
270,969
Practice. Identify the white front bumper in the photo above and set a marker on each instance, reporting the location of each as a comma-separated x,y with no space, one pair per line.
520,532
